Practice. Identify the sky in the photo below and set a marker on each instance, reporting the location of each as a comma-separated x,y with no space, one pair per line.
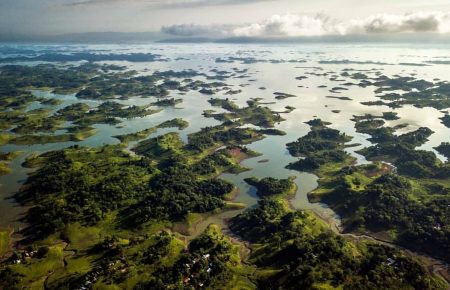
224,18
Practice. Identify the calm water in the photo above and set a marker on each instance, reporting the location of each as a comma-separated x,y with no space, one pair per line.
310,103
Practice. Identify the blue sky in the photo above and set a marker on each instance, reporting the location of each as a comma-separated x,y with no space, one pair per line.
223,17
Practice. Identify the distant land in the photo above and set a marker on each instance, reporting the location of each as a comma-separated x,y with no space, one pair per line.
151,37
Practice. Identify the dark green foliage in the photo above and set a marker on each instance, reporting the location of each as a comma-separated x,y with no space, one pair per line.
210,163
264,221
175,192
167,102
305,260
158,249
270,186
418,92
320,138
211,136
252,114
444,149
65,193
400,149
9,280
320,146
205,264
387,204
78,184
446,120
314,161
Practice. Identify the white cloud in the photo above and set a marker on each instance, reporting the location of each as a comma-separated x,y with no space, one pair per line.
411,22
290,25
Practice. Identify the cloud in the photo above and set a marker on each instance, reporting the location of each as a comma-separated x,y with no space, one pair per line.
290,25
411,22
166,3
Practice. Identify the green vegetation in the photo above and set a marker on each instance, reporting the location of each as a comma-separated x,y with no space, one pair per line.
94,81
222,135
82,185
270,186
294,250
4,242
105,202
160,147
271,131
281,96
87,81
211,261
167,102
154,260
372,197
78,114
397,91
253,114
400,150
322,146
446,120
444,149
107,218
174,123
224,160
79,135
136,136
5,159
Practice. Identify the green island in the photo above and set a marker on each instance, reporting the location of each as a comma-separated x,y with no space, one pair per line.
446,120
403,201
397,91
322,147
282,96
270,186
174,123
252,114
167,102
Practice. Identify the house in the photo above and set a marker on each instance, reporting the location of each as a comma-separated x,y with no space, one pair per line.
390,261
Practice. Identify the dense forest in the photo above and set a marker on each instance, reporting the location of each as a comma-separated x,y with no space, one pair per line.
407,200
296,250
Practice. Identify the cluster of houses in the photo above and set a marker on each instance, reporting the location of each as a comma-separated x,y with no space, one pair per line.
118,265
193,271
24,256
89,280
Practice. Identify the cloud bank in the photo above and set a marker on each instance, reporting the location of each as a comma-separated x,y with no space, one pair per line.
290,25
